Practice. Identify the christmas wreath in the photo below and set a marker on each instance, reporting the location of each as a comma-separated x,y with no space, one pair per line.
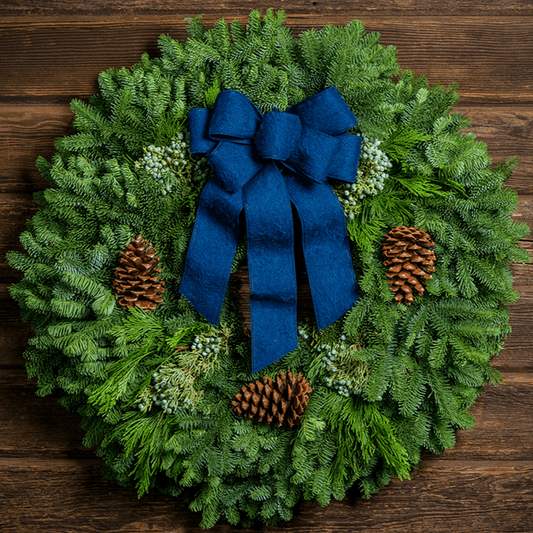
312,164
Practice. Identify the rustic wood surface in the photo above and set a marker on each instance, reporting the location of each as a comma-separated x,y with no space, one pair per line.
52,51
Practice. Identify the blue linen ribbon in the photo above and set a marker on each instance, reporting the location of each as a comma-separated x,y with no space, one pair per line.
263,164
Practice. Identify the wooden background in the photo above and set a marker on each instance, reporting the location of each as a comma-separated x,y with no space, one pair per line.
52,51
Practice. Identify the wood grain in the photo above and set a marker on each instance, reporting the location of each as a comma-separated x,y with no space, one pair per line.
517,356
348,8
27,132
17,208
524,213
42,428
507,131
57,61
63,495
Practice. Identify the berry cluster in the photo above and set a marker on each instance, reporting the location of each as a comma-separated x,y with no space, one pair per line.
172,387
347,377
170,164
207,345
172,390
371,176
202,356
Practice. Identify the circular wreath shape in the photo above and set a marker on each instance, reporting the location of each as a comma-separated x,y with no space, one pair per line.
166,397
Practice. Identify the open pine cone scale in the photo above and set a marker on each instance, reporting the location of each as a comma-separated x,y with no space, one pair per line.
137,280
409,260
282,401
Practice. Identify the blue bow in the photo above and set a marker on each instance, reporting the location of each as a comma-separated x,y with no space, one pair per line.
263,163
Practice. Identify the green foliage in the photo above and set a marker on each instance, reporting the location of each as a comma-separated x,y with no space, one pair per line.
347,374
416,370
362,427
147,332
172,389
398,144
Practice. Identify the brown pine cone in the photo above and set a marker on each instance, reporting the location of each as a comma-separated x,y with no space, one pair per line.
281,402
409,260
136,278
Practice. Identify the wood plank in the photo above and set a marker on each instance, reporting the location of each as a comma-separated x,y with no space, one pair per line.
524,213
523,274
15,210
10,316
14,333
349,8
27,131
503,423
14,341
521,314
516,357
51,51
33,426
442,496
60,60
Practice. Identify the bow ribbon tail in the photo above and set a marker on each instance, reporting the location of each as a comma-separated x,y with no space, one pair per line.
211,249
326,248
270,237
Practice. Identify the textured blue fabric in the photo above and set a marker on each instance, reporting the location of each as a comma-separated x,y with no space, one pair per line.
263,164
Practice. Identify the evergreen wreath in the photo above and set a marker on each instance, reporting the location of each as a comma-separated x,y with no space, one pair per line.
160,389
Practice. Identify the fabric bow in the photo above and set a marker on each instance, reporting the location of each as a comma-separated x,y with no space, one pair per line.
263,164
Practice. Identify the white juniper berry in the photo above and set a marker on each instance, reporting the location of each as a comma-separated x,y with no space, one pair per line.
371,175
346,376
170,164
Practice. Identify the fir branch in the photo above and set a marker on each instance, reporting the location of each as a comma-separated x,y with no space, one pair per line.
398,144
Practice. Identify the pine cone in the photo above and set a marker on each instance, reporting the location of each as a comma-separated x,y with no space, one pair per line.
135,282
281,402
409,260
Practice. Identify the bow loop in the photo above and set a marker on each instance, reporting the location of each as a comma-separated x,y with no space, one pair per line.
234,118
347,158
200,141
325,111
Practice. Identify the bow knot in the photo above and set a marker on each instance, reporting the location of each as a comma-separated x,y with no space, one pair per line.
263,164
277,136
